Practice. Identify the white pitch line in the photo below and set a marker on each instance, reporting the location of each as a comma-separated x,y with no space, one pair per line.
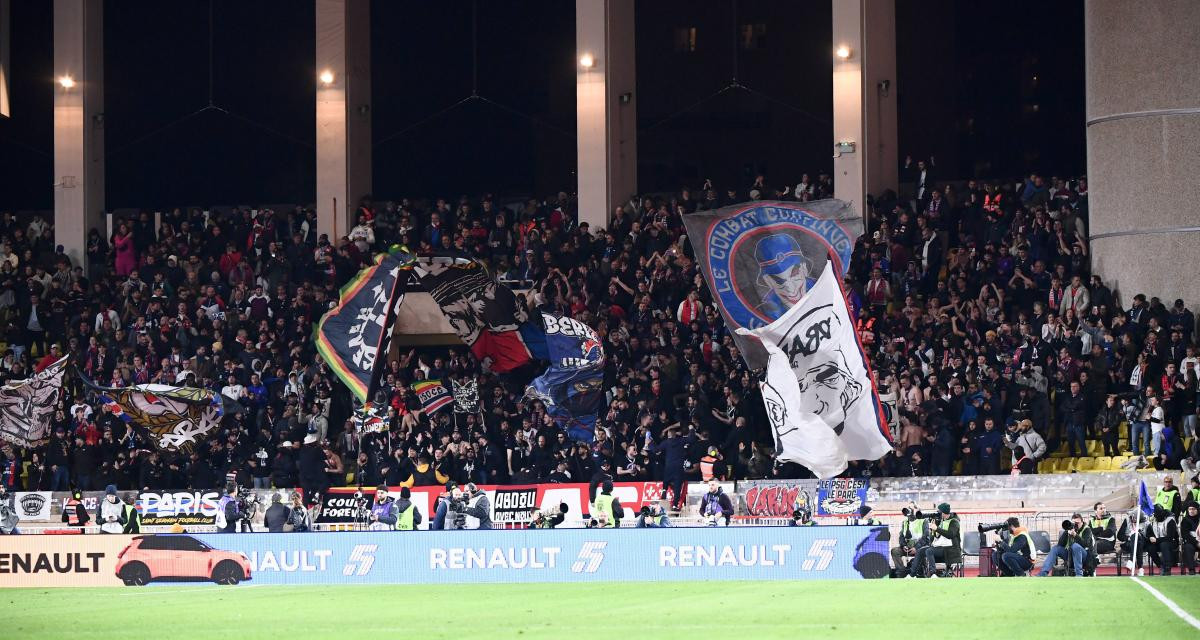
1176,609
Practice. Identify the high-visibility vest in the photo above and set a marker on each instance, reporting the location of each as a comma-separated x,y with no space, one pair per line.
706,467
1165,498
404,522
916,528
72,510
1196,495
1100,524
1028,544
133,520
603,505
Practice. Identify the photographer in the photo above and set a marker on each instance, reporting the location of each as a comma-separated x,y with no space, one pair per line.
383,513
550,518
801,517
110,513
653,516
228,514
298,516
1015,558
475,503
1104,529
912,529
715,506
276,516
942,542
1075,539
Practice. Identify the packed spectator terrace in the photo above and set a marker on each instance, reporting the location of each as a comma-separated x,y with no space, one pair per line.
976,304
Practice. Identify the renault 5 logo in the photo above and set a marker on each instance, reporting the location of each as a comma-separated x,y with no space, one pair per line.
590,557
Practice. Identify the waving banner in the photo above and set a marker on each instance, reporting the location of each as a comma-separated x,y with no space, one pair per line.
572,386
26,406
354,336
484,313
760,258
466,396
818,393
432,394
171,418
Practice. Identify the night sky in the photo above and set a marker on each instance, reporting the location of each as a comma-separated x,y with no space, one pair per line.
965,85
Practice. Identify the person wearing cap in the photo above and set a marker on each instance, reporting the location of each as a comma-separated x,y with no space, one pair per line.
313,478
408,517
865,517
942,542
110,512
383,512
785,272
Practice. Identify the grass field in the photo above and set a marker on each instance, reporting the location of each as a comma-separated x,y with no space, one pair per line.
950,608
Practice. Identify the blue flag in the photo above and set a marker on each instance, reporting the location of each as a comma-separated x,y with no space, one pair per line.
1144,502
572,386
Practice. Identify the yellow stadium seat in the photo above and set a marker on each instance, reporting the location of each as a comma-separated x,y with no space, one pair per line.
1095,448
1085,464
1117,461
1046,465
1103,463
350,479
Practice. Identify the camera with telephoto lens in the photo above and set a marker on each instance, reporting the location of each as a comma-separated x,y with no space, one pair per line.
1068,526
992,526
247,502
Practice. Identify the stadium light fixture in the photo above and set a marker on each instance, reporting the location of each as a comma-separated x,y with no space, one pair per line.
326,77
587,61
843,52
66,82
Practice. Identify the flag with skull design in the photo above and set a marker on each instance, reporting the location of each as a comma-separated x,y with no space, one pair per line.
819,393
27,406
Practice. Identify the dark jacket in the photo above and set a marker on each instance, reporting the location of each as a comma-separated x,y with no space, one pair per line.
482,509
276,516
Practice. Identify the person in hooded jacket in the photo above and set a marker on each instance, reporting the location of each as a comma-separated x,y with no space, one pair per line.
408,517
1162,536
1189,534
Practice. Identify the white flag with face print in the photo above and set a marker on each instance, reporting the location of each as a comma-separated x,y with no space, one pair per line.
819,396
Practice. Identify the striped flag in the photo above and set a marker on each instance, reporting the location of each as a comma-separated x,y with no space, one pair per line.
433,395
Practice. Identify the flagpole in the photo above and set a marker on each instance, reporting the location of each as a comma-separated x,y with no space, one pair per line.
1137,537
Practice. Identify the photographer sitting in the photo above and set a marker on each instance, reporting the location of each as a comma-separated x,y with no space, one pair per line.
801,517
1163,538
383,513
1104,529
942,542
8,512
653,516
715,506
1015,558
912,529
1075,539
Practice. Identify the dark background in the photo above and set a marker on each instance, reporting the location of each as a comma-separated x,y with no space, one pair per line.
725,88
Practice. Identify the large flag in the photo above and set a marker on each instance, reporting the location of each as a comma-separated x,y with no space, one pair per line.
572,386
432,394
26,406
354,336
819,383
760,258
484,313
466,396
171,418
1144,502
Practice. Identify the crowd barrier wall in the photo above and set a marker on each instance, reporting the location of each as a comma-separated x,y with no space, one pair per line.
390,557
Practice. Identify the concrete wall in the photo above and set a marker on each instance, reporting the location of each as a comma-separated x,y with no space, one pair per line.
1143,134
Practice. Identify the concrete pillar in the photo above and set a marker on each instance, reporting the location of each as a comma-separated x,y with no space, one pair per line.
606,107
864,99
78,123
1143,139
343,68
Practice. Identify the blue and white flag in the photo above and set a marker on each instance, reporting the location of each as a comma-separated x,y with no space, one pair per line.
572,387
1144,502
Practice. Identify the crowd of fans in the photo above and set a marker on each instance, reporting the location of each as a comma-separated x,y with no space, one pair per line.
976,304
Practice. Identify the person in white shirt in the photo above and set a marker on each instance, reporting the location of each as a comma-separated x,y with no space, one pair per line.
234,389
1157,424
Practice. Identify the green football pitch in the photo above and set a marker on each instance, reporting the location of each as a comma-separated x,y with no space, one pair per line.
947,608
